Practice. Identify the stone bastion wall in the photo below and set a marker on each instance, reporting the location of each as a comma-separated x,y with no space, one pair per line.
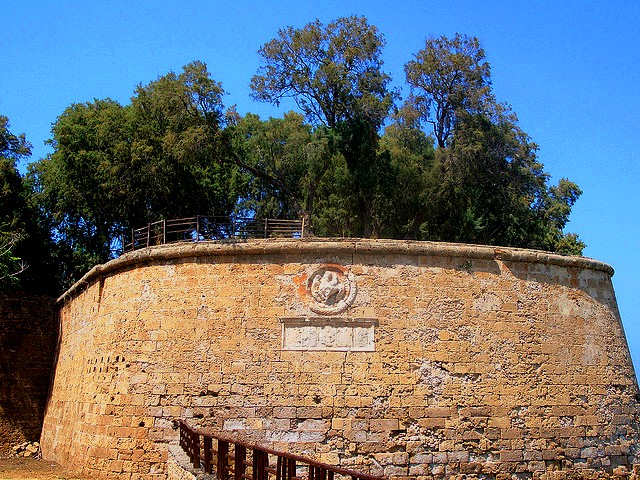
389,357
28,333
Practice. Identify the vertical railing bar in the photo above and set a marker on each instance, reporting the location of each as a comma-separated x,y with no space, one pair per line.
240,455
164,231
285,468
223,452
291,469
263,464
195,439
197,228
254,470
302,229
148,233
265,227
279,468
207,445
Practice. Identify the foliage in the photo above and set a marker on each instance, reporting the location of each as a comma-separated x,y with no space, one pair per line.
25,256
280,154
332,72
115,167
494,191
11,266
492,188
175,151
448,77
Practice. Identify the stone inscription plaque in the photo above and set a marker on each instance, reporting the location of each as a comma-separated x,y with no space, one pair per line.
332,334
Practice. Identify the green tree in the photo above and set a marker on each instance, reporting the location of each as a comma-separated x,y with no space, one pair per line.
25,260
417,176
11,266
333,72
115,167
276,152
492,188
447,77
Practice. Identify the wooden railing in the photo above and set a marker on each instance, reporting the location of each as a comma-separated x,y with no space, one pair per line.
252,462
201,228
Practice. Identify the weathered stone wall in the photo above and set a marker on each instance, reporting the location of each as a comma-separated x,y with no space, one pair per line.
425,359
28,334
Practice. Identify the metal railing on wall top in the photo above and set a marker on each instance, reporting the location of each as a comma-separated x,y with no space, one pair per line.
202,228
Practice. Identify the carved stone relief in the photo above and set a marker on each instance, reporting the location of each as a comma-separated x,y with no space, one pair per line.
332,288
333,334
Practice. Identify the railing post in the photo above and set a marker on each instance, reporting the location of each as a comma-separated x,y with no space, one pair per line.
260,464
239,462
265,464
266,224
291,469
164,231
302,229
148,233
207,445
254,469
197,228
133,239
223,460
195,443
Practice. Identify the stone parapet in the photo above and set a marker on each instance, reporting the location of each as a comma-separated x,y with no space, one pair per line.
343,246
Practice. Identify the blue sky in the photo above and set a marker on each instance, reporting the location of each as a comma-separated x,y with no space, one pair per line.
570,69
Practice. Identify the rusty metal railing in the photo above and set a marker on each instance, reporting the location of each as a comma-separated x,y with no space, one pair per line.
202,228
252,462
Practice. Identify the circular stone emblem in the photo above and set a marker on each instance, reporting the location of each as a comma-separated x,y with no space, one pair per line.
332,289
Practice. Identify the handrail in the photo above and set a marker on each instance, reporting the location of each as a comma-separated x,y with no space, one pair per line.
198,445
202,228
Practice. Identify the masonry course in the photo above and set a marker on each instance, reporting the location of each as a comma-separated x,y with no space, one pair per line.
485,361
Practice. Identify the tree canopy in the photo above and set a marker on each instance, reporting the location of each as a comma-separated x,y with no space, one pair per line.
116,167
449,77
26,257
450,163
333,72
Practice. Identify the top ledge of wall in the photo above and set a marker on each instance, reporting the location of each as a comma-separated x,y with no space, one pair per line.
331,245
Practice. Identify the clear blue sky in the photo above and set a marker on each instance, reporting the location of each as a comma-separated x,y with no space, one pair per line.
570,69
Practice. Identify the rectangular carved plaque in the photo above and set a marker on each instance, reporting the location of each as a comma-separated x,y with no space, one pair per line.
328,333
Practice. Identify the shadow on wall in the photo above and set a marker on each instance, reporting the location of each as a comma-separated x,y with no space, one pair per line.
28,337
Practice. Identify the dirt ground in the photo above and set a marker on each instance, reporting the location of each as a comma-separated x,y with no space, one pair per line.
32,469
